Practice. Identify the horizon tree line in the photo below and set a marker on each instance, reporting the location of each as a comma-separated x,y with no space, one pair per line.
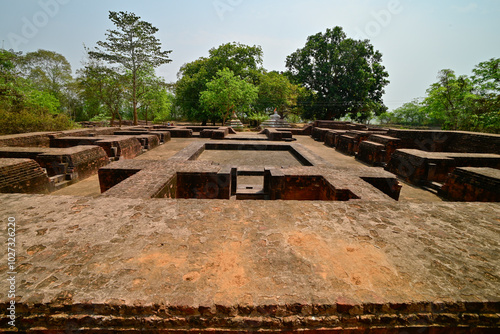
331,77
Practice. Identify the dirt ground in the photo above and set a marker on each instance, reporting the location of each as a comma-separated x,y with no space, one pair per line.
90,187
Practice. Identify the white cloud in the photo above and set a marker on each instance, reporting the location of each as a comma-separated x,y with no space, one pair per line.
466,9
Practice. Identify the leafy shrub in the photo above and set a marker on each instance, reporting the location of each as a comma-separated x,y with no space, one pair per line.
25,121
255,118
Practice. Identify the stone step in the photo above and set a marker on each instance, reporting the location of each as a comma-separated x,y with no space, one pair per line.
433,187
61,185
250,192
57,178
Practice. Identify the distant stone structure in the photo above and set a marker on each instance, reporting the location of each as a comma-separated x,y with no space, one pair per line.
234,122
275,121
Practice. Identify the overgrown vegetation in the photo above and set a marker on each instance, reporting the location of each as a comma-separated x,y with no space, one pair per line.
469,103
30,95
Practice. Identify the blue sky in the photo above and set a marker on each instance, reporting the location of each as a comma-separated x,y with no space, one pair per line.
416,38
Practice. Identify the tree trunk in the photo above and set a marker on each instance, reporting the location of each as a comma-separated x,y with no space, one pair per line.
134,96
119,117
146,115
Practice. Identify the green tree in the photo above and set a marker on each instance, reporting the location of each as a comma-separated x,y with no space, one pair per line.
275,92
134,46
450,100
244,61
48,71
458,102
228,93
102,87
152,94
411,113
162,106
486,80
344,76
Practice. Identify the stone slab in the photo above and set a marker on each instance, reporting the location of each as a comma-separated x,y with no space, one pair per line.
421,166
473,184
447,141
103,264
119,147
184,176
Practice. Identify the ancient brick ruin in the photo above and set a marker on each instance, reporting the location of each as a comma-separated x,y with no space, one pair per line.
240,232
423,158
184,177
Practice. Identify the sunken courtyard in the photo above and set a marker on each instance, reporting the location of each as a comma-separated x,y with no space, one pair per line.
333,227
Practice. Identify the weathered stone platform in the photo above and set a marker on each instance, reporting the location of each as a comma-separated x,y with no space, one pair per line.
117,147
23,176
104,264
79,161
420,166
473,184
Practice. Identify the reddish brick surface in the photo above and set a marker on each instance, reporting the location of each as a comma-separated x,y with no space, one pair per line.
124,265
22,176
80,161
420,166
447,141
473,185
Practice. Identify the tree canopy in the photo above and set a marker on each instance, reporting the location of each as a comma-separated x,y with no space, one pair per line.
227,93
457,102
242,60
331,77
26,105
133,46
343,76
275,92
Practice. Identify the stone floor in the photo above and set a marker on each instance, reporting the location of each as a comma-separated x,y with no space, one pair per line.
96,264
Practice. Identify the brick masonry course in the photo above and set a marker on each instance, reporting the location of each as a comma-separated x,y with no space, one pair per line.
134,259
119,147
42,139
22,176
448,141
472,184
80,161
418,166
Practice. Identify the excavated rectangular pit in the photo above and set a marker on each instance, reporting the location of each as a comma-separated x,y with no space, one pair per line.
245,170
254,171
251,158
249,154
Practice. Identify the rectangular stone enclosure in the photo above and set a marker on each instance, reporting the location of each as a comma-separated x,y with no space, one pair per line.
284,171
